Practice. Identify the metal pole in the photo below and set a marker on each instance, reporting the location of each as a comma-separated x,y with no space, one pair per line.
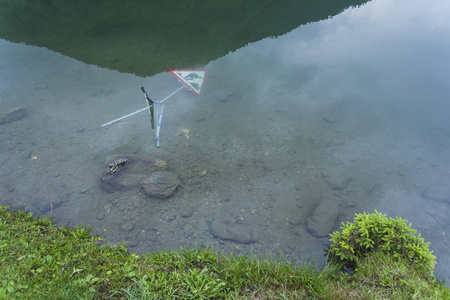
129,115
138,111
172,94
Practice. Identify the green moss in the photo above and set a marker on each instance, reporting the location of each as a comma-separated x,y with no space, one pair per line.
42,261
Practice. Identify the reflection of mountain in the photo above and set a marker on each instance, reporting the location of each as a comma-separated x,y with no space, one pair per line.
145,37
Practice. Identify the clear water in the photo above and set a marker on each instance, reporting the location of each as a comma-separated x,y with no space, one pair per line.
353,110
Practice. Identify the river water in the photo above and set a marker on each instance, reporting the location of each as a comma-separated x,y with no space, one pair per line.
351,112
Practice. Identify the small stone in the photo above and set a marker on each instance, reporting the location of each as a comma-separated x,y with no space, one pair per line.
328,119
187,212
338,184
170,218
126,226
13,115
161,164
107,209
295,219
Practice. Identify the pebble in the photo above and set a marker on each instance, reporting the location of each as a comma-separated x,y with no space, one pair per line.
187,212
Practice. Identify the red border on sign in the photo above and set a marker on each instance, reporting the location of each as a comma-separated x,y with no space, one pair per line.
186,84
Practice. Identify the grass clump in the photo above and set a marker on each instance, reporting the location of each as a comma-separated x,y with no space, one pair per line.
42,261
373,233
381,276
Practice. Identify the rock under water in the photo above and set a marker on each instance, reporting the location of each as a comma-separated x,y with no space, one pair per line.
225,229
12,115
323,219
160,184
126,173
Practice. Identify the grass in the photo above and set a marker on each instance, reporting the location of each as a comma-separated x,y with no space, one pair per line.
39,260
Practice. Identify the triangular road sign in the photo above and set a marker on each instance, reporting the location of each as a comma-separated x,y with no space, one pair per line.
192,79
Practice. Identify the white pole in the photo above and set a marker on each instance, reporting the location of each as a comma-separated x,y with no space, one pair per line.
159,109
172,94
138,111
129,115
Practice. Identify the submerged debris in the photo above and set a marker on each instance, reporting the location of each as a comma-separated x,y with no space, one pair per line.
115,165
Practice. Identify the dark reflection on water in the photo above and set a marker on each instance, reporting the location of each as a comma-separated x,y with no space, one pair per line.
147,37
349,114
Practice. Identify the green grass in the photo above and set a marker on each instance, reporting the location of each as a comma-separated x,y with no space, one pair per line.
39,260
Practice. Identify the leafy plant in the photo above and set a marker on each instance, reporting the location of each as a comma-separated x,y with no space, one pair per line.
375,232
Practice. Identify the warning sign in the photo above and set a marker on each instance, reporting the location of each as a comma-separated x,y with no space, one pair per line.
192,79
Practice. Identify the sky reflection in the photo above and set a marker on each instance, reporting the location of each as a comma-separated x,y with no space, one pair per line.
380,75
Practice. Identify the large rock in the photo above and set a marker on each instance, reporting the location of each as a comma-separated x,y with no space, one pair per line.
161,184
12,115
323,219
225,229
125,173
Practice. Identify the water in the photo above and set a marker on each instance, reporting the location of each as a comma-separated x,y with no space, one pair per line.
351,111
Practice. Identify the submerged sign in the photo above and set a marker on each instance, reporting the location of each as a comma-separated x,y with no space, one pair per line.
192,79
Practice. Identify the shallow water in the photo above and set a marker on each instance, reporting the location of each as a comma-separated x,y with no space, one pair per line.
352,110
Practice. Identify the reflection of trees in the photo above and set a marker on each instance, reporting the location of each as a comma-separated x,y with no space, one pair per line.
146,37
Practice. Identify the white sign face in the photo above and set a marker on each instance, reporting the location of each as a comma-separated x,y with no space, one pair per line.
192,79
